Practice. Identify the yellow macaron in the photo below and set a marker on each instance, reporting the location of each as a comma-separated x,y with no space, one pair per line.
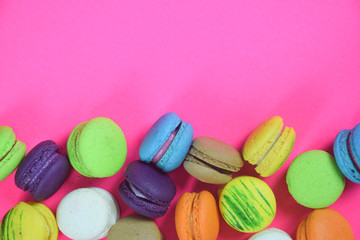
268,146
28,221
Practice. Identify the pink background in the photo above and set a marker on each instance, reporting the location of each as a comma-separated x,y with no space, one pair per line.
223,66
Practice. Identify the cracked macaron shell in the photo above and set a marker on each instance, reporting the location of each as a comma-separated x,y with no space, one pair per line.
12,151
247,204
156,137
268,146
97,148
212,161
29,221
197,216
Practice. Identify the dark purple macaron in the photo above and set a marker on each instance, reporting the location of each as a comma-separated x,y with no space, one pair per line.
42,171
147,189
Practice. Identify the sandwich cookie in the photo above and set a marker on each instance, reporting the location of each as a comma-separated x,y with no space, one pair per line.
212,161
43,171
167,142
268,146
12,151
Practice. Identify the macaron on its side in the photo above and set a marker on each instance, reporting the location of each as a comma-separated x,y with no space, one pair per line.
268,146
212,161
43,171
343,158
271,234
314,180
97,148
134,227
247,204
86,214
12,151
196,216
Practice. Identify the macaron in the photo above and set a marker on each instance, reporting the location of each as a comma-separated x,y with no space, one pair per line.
268,146
28,221
347,153
12,151
147,189
97,148
43,171
212,161
197,216
314,180
167,142
135,227
87,213
324,224
271,234
247,204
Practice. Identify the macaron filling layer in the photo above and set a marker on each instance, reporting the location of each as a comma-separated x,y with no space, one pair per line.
166,145
7,153
268,150
352,156
137,192
221,170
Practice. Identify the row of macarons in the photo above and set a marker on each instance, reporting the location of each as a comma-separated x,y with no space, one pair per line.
93,213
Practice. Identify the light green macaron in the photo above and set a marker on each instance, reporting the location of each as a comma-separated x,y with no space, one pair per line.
97,148
314,179
12,151
247,204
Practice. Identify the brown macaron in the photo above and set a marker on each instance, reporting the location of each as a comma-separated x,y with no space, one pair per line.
212,161
324,224
134,227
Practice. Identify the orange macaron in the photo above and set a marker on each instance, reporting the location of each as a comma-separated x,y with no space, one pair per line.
324,224
197,216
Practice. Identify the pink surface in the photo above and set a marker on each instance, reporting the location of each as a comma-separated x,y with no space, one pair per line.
223,66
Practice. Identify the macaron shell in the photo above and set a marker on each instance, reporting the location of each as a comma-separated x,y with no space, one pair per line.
12,159
134,227
271,234
301,230
261,139
204,173
247,204
49,218
157,135
216,153
355,143
178,149
342,157
97,148
328,224
278,154
24,222
314,179
7,140
183,212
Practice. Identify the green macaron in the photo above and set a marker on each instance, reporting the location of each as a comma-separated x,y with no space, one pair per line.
97,148
314,179
12,151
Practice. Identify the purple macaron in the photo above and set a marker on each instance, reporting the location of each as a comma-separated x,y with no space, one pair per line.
42,171
147,189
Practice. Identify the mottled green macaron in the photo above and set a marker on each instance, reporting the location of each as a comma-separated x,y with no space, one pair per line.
12,151
97,148
247,204
314,179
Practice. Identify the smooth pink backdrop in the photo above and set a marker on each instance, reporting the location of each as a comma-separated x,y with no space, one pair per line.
223,66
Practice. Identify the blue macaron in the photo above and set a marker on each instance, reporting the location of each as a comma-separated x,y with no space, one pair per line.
347,153
167,142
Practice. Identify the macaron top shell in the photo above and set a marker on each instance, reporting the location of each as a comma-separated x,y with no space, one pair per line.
135,227
355,145
151,182
271,234
314,179
97,148
247,204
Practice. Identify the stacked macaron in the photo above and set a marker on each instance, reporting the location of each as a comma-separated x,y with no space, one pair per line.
97,149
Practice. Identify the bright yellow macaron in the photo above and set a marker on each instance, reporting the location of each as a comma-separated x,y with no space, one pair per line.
247,204
29,221
268,146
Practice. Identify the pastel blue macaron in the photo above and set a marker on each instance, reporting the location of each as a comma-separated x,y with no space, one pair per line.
167,142
347,153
